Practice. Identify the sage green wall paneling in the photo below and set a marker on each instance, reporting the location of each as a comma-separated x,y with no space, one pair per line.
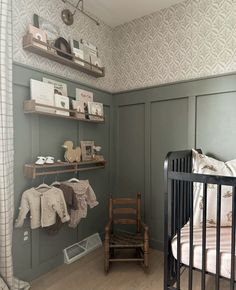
52,134
50,246
22,262
36,135
172,114
100,179
216,125
130,150
169,132
213,85
147,124
130,157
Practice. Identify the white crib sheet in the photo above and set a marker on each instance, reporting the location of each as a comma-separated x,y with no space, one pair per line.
225,249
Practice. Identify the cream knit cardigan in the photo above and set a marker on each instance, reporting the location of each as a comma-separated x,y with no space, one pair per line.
43,206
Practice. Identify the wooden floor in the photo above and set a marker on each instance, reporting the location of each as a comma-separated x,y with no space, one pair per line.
87,274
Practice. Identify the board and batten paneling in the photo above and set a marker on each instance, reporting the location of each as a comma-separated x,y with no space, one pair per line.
147,124
216,124
145,132
36,135
169,132
131,149
176,117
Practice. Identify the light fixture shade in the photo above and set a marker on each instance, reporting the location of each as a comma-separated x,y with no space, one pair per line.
67,17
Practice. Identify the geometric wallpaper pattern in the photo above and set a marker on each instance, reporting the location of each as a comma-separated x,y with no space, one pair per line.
189,40
192,39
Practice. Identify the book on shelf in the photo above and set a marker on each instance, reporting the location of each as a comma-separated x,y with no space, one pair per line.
42,93
62,102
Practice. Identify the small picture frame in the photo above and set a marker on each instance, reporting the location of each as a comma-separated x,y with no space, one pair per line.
87,149
95,111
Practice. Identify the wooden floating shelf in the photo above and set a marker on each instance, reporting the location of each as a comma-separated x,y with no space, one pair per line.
33,170
31,107
44,49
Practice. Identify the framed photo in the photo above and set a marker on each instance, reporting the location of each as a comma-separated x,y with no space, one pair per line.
95,111
59,88
87,150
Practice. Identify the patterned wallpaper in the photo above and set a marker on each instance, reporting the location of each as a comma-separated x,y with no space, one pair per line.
23,11
189,40
192,39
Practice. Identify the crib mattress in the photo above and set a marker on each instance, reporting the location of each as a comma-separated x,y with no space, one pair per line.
225,249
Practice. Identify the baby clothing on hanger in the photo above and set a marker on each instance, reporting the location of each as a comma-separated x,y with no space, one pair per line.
71,203
70,197
43,205
84,188
85,196
77,215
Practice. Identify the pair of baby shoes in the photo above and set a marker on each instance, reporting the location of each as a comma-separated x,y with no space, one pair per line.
42,160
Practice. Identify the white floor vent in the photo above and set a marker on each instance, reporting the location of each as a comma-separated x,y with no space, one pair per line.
82,248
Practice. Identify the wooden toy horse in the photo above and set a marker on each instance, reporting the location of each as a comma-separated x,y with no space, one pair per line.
71,155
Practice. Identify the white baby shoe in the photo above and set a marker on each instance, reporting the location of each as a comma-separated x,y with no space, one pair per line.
49,160
41,160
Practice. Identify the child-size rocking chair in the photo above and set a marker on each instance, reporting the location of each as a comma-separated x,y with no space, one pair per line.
116,241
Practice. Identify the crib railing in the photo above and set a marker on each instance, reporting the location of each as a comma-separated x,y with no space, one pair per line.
179,210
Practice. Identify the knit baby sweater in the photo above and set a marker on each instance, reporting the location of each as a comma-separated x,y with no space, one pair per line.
43,205
85,196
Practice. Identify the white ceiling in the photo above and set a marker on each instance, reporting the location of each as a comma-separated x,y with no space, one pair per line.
116,12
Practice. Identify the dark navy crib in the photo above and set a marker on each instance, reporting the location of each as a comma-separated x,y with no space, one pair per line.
179,181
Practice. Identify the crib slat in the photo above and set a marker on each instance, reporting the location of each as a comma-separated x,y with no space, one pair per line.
190,276
178,235
233,239
203,279
217,276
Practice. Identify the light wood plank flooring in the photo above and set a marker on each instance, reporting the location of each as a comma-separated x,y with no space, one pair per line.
87,274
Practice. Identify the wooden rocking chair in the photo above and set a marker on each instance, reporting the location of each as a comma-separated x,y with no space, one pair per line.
122,240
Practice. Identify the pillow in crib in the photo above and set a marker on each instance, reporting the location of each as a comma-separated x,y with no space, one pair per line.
203,164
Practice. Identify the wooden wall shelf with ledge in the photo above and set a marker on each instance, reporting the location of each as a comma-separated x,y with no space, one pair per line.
31,107
44,49
32,170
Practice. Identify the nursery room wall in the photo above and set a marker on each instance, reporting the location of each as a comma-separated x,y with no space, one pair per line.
144,60
164,51
35,135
